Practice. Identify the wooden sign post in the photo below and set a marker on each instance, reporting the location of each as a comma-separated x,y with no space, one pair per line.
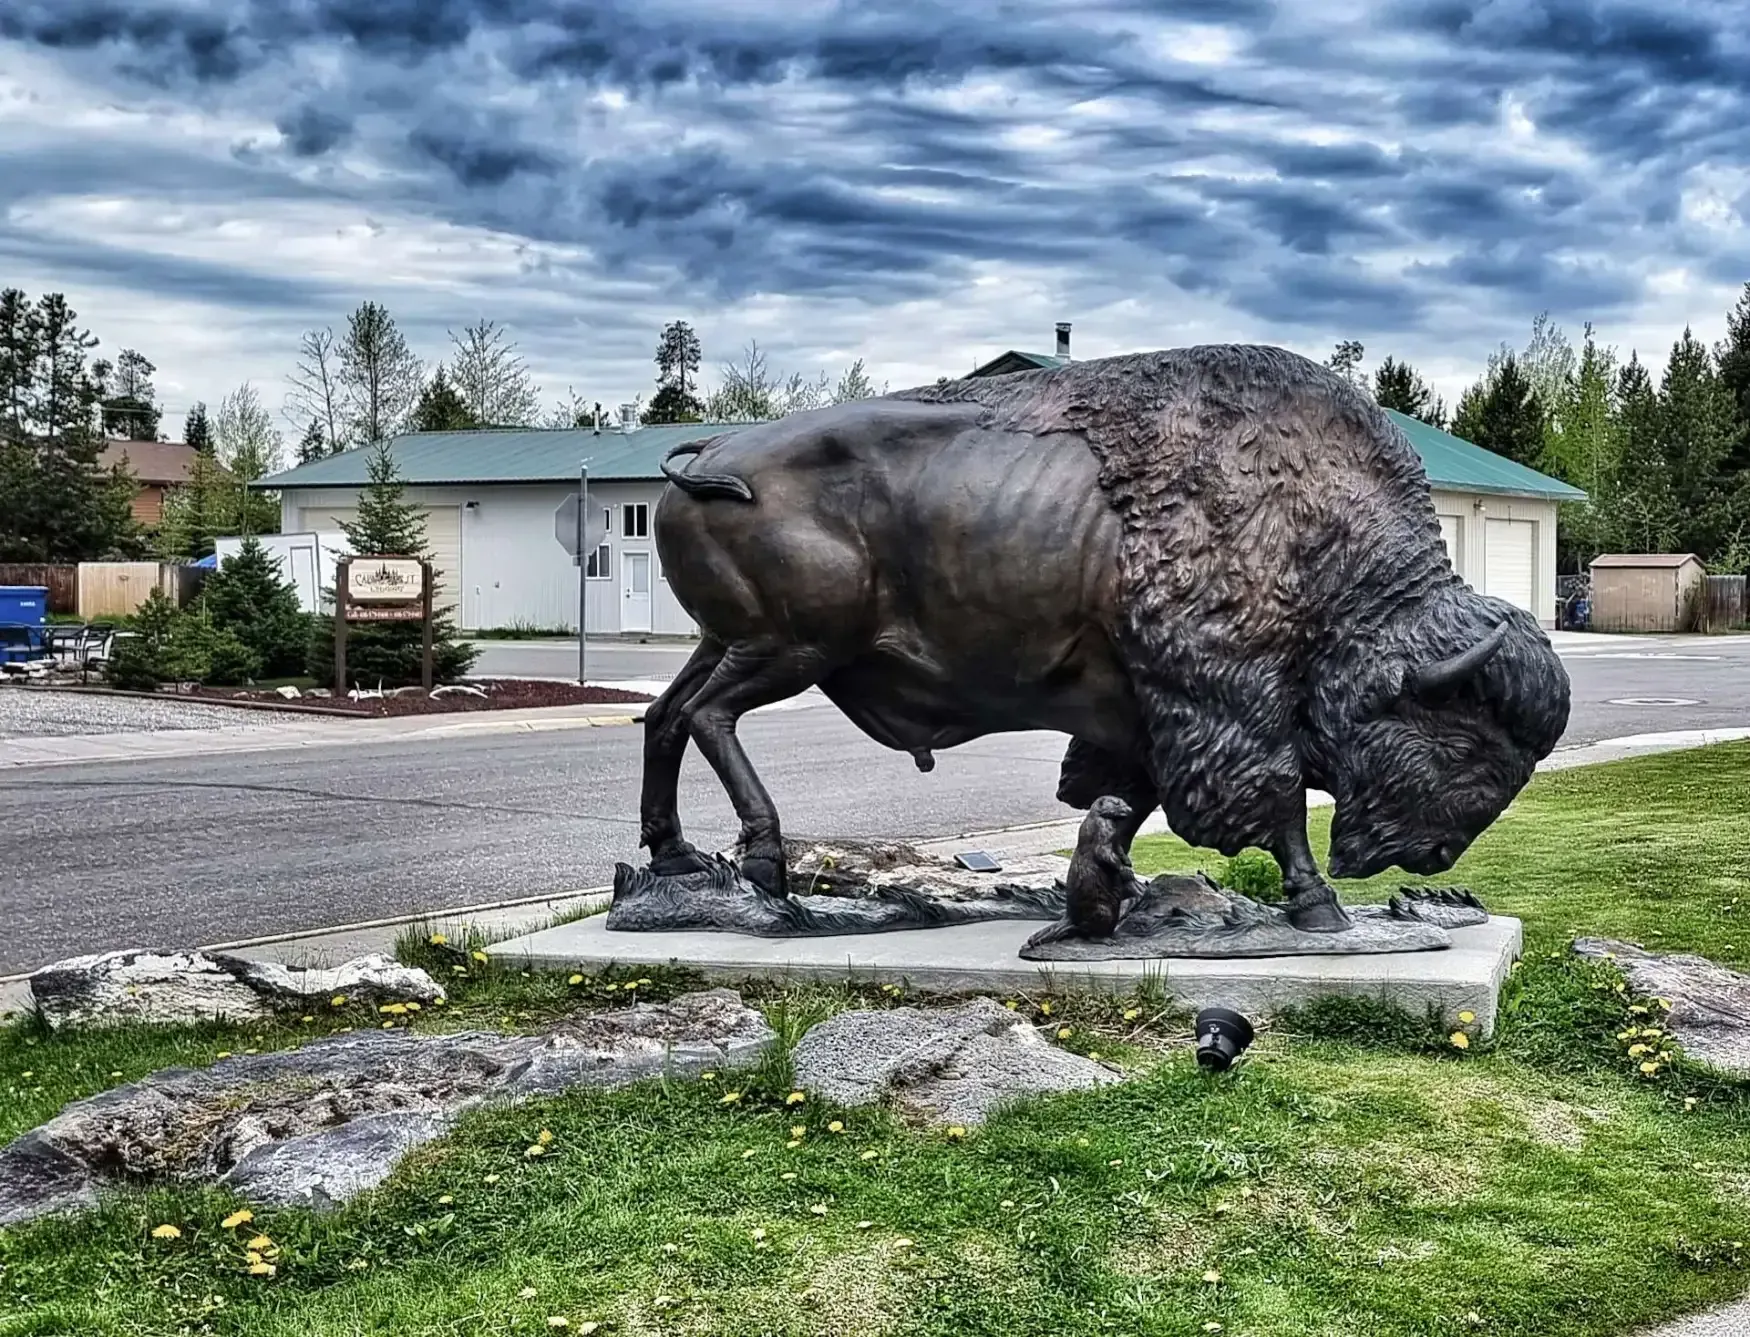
386,589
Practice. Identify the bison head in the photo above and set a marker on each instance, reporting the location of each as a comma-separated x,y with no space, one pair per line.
1430,730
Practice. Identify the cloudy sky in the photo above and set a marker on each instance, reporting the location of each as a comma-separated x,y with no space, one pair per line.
920,184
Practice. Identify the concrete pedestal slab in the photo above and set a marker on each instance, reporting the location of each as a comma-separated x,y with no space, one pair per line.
983,958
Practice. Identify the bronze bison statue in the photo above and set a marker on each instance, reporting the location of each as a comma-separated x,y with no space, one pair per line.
1217,569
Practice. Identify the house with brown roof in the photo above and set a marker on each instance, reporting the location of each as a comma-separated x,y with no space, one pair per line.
158,466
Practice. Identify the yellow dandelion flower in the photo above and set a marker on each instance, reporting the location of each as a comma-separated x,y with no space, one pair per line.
446,1200
223,1053
1064,1032
534,1150
1212,1276
1638,1010
260,1242
643,983
1459,1040
1665,1003
339,1000
1688,1102
749,1154
1045,1008
1081,1141
730,1098
236,1219
1212,1326
1629,1034
588,1326
1132,1013
388,1025
707,1077
671,1248
1649,1069
1115,1163
1010,1004
413,1007
787,1176
558,1321
439,1001
795,1098
251,1256
610,988
1094,1054
544,1138
458,970
956,1132
306,1019
902,1243
819,1209
793,1143
870,1155
479,955
526,1293
836,1126
490,1179
1224,1207
262,1269
575,979
758,1232
1635,1051
166,1232
1467,1017
798,1129
438,940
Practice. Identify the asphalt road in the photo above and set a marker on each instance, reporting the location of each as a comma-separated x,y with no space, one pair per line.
203,849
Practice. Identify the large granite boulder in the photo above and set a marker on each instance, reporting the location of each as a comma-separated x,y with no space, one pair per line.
314,1126
947,1066
1710,1004
194,986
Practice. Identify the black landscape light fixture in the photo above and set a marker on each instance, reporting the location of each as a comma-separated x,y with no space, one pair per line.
1222,1036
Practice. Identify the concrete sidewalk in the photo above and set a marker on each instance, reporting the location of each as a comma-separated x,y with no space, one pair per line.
266,732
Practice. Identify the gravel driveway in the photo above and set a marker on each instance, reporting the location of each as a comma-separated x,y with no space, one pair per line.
32,713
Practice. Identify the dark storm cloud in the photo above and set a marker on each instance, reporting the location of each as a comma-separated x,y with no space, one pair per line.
880,149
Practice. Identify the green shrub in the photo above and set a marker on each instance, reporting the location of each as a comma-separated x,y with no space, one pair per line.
133,666
1253,873
247,597
230,663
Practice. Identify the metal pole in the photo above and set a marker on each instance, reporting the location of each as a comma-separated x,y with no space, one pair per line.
582,574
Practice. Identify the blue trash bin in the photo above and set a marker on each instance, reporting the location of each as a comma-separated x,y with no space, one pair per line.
24,604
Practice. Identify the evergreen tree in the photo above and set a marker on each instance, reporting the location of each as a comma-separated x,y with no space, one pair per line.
20,353
1732,356
1397,385
1695,436
1502,413
379,377
388,526
249,596
314,443
440,407
1644,516
1345,360
197,431
130,407
856,383
677,366
1586,450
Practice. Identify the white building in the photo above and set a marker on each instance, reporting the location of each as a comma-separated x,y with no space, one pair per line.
489,499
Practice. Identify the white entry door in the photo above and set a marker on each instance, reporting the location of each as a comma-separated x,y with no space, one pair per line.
634,591
1510,546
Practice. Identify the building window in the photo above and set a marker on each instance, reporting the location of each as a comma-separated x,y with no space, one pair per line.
597,566
635,520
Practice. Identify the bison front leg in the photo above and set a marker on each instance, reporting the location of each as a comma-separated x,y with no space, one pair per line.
745,678
1313,906
665,745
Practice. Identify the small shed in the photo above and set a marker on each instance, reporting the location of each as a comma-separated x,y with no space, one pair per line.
1648,591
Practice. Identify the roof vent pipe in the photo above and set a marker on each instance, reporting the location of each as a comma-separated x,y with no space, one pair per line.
1063,339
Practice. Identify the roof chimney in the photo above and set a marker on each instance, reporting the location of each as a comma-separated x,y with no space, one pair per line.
1063,339
628,417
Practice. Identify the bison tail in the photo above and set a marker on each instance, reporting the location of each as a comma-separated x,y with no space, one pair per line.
703,485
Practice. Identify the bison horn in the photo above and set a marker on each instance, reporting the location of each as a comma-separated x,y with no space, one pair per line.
1434,680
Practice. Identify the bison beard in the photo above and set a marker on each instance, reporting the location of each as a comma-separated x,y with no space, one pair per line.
1282,598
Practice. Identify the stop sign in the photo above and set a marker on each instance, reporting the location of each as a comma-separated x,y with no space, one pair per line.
595,528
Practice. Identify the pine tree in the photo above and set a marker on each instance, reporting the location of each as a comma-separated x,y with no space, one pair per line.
1502,413
388,526
313,445
20,354
1345,360
1644,515
1695,430
1397,385
249,596
130,406
197,431
441,408
1586,450
1732,356
677,365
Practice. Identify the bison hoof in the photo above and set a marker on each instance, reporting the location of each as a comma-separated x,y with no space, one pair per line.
1321,916
768,875
676,858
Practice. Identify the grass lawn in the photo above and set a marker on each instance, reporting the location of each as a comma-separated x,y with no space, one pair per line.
1358,1176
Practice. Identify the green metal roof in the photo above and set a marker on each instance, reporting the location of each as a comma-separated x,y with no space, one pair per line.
1452,462
506,455
517,455
1016,360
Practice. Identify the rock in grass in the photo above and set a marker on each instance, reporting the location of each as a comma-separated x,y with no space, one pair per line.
1710,1004
193,986
946,1066
312,1127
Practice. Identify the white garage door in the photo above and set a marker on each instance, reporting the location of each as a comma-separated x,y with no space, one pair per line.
443,535
1508,549
1449,536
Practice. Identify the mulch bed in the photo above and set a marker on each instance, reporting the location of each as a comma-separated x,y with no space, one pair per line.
501,694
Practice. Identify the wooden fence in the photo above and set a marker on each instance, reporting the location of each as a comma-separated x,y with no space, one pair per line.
62,582
1725,603
115,589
